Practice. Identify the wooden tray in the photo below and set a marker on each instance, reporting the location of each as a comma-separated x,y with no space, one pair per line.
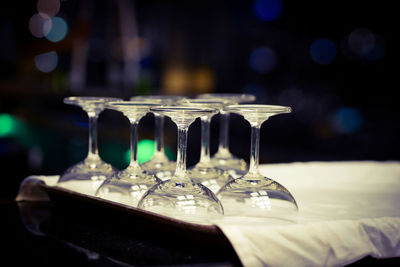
131,219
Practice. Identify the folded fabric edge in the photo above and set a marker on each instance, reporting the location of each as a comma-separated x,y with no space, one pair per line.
30,190
375,237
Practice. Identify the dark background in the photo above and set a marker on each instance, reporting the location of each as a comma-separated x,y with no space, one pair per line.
344,104
341,89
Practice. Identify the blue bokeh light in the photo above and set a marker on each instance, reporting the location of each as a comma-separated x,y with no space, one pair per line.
347,120
268,10
58,31
46,62
323,51
263,60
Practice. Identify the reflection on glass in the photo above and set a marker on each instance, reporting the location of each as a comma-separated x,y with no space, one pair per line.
159,164
204,171
253,194
224,159
179,197
128,186
86,176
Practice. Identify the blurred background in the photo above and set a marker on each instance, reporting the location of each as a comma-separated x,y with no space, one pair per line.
333,62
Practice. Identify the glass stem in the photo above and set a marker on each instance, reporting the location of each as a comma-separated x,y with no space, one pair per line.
181,155
159,138
205,140
134,141
255,148
93,133
224,133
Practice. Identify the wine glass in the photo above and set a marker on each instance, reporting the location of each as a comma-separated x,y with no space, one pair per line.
179,197
253,194
204,171
86,176
127,186
159,164
224,159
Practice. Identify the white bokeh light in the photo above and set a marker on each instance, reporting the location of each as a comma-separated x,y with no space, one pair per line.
40,25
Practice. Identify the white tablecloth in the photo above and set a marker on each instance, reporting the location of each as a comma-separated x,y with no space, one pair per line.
347,210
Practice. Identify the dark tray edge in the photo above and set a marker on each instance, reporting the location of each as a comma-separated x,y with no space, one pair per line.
157,219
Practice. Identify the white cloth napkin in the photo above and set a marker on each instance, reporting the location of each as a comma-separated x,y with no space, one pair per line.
347,210
29,189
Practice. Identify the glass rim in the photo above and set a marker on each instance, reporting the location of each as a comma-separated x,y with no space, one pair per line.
89,99
258,108
205,101
186,109
236,97
157,97
132,104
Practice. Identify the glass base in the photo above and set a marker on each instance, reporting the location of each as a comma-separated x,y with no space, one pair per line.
258,196
127,186
182,200
209,176
161,167
228,162
86,176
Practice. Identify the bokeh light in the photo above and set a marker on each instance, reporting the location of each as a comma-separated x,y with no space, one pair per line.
378,52
361,41
58,31
203,80
46,62
40,25
263,60
323,51
145,151
346,120
48,7
175,81
7,125
268,10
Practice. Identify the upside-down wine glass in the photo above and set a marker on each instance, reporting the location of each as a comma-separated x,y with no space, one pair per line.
159,164
224,159
179,197
127,186
253,194
86,176
204,171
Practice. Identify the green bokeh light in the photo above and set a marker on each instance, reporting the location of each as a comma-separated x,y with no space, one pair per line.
146,149
11,126
8,125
